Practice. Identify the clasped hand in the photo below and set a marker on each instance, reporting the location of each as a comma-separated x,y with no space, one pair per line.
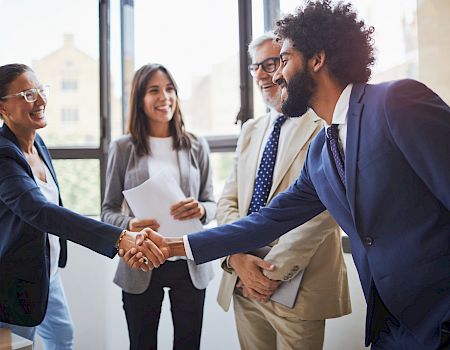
252,281
144,250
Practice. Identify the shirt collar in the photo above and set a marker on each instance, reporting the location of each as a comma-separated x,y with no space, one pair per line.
274,115
341,108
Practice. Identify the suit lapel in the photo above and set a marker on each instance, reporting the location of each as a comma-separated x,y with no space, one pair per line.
142,174
40,146
184,165
45,156
354,115
249,164
297,137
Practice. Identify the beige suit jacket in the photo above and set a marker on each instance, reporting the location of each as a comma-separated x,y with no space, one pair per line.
314,246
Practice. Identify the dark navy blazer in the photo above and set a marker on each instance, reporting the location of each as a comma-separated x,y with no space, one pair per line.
395,209
25,217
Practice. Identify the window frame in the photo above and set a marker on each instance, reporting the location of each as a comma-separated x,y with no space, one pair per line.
223,143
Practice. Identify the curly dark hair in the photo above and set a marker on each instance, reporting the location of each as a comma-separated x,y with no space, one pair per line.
347,43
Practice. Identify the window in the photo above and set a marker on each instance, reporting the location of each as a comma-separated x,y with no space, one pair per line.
69,85
202,52
408,39
69,115
64,55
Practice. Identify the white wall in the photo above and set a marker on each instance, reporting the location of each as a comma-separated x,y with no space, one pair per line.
96,307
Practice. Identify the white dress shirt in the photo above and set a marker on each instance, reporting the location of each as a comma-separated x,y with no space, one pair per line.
340,115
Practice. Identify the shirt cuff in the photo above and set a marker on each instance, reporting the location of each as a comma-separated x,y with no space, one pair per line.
187,248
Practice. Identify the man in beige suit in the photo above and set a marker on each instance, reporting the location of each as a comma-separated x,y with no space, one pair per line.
313,248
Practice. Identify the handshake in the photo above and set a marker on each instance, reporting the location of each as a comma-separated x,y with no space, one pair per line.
147,249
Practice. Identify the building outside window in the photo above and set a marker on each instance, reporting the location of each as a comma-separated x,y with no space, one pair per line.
69,115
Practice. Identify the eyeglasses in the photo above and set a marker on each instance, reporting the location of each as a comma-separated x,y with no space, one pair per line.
269,65
31,95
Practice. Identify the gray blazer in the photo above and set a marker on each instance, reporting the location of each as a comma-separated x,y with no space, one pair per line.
127,170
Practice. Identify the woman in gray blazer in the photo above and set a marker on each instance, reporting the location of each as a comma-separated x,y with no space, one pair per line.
157,140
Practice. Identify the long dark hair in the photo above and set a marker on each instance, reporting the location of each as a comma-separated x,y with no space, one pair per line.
138,126
9,73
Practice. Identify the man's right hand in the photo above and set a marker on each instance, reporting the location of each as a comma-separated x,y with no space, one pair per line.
248,268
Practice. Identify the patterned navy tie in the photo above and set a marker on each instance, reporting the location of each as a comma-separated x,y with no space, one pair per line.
263,181
336,150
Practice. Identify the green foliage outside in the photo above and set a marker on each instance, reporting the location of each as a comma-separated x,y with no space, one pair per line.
79,181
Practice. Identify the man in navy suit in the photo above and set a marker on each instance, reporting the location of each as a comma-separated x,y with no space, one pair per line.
381,167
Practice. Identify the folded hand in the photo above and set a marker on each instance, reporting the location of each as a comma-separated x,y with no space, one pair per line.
251,293
187,209
248,268
136,224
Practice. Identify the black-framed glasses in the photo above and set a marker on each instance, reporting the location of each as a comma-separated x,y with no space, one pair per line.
31,95
269,65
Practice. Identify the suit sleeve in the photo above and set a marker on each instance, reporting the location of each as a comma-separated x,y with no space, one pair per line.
112,203
206,192
289,209
419,122
20,193
298,246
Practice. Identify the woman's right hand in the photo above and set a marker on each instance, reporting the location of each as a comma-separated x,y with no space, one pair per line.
137,225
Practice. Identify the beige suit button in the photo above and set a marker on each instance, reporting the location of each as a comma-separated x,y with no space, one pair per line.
295,268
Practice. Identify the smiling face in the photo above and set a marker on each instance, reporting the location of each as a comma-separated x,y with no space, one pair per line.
270,91
160,100
295,80
19,114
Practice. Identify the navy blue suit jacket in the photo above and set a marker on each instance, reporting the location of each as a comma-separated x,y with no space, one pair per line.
25,217
395,209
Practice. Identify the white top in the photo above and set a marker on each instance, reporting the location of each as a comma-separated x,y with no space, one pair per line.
340,115
50,191
163,156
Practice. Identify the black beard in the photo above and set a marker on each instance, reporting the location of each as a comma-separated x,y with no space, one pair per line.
299,92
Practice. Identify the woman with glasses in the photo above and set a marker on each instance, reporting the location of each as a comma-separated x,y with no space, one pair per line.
157,140
33,224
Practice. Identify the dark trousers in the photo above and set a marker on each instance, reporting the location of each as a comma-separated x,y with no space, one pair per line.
186,303
397,337
390,334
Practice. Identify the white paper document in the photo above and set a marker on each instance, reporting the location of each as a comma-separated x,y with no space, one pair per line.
153,199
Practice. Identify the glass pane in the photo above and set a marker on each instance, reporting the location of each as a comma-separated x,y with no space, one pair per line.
64,54
433,27
257,18
395,36
79,182
408,39
198,42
